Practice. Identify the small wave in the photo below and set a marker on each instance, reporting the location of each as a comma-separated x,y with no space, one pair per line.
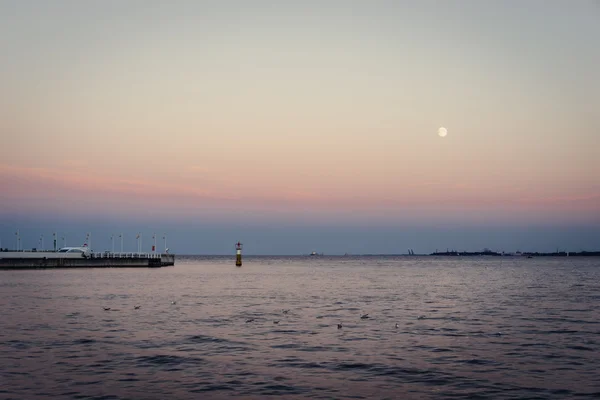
305,365
580,348
441,350
206,339
535,345
213,388
168,360
286,346
84,341
18,344
73,315
479,361
128,380
286,331
345,366
280,389
85,383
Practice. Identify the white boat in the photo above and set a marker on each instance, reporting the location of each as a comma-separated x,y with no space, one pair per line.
78,251
65,252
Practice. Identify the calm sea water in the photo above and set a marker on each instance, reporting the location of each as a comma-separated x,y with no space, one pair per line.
466,328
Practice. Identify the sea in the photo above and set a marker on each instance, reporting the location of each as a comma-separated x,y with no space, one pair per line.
433,328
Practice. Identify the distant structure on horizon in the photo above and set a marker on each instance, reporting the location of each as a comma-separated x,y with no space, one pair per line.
488,252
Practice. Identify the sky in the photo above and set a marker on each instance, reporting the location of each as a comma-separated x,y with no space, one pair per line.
302,126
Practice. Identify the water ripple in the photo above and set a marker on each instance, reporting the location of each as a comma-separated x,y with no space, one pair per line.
472,328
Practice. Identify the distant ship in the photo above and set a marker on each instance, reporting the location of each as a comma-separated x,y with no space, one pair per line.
515,254
314,253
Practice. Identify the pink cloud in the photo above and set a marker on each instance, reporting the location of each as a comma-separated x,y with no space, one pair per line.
562,199
66,189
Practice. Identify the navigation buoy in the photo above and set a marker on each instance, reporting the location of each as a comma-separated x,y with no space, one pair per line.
238,254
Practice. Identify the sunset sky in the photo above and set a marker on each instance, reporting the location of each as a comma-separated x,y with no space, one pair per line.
300,126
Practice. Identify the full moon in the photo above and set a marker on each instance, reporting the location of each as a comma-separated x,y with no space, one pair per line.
442,132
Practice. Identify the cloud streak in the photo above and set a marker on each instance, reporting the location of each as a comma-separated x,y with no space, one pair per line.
59,190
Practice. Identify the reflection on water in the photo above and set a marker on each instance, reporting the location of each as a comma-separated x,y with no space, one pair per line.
490,328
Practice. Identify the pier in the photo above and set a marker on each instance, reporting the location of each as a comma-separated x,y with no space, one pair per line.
34,260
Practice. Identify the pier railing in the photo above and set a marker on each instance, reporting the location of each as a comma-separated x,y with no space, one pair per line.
125,255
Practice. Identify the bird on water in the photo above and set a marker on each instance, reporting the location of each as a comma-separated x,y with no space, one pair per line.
364,316
340,326
249,320
106,308
275,322
136,307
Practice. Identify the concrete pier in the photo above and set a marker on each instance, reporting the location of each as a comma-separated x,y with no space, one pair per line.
16,260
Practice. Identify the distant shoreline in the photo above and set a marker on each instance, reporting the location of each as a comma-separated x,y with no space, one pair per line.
525,254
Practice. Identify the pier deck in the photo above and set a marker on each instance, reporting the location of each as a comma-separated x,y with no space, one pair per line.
26,260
